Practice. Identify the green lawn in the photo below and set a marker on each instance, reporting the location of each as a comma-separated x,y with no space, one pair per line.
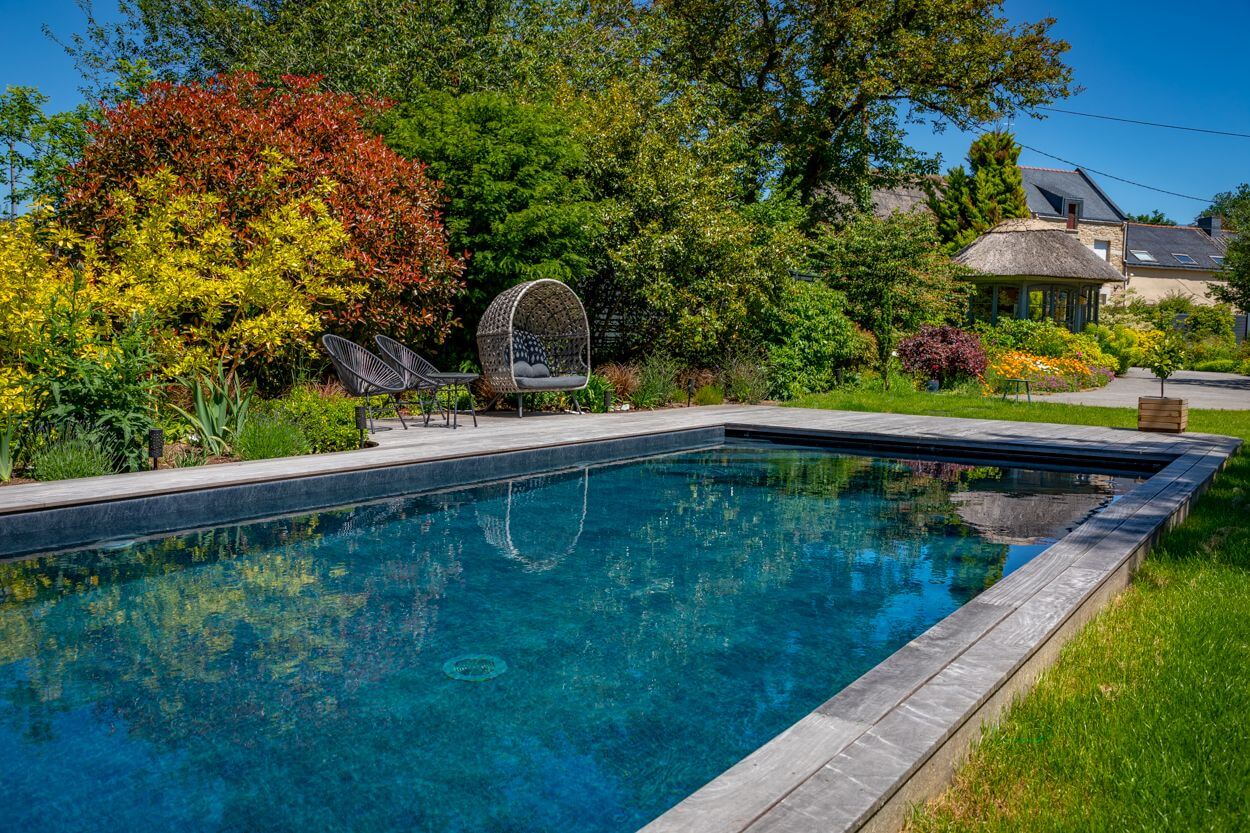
1144,722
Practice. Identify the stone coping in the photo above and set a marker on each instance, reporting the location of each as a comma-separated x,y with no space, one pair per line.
891,738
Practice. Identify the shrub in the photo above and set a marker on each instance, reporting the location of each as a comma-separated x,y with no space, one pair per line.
745,380
510,173
1199,351
596,386
1244,368
214,296
657,382
328,423
76,374
709,395
260,146
944,353
1117,341
624,379
1217,365
72,454
1044,338
267,435
812,341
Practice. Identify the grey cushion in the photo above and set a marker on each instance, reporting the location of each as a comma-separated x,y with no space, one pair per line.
551,383
525,370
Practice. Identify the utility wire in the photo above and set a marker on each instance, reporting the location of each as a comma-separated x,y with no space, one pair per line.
1118,178
1148,123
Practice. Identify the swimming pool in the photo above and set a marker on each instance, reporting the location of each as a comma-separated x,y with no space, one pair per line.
641,626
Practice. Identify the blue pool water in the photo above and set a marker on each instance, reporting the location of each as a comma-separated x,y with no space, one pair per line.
636,629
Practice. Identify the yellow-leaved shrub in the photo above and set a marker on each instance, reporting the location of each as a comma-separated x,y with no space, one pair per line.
215,295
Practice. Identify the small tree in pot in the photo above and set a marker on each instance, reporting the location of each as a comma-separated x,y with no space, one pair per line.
1160,413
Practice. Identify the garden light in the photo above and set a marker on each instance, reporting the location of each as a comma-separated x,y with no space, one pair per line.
156,446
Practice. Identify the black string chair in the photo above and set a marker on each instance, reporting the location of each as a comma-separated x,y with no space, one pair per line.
535,337
422,377
364,375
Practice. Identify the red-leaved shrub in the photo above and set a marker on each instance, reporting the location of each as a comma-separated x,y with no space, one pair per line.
943,353
258,146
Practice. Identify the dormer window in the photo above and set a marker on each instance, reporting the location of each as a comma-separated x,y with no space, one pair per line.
1184,260
1143,255
1072,209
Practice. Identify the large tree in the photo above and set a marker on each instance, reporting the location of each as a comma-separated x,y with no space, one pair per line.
894,275
825,88
970,204
1234,208
826,84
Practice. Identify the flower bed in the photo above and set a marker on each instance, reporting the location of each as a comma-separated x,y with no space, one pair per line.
1046,374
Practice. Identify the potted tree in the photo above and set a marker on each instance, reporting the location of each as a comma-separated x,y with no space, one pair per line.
1161,413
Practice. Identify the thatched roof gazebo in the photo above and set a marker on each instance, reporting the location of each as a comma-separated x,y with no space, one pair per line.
1031,269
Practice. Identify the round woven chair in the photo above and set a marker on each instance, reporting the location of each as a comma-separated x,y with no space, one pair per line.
535,337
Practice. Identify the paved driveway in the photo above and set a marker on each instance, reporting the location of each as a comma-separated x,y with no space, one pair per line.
1222,391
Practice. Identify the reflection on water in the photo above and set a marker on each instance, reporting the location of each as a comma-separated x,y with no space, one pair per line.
289,675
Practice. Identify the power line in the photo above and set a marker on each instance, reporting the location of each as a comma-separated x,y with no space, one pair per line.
1148,123
1118,178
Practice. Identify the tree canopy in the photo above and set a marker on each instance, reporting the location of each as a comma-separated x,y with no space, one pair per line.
825,89
1234,208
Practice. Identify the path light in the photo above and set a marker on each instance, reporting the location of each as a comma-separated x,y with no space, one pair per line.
362,423
689,390
156,446
933,385
607,400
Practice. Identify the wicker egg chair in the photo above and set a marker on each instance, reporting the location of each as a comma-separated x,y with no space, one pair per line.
535,337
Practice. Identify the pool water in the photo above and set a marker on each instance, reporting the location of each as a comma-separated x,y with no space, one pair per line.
575,651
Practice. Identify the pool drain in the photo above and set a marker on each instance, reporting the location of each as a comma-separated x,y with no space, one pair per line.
474,668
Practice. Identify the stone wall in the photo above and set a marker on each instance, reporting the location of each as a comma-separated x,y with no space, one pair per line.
1087,232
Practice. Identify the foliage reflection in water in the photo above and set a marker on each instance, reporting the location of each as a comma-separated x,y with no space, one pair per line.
658,620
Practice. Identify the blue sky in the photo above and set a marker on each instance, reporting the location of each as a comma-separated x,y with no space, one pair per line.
1156,60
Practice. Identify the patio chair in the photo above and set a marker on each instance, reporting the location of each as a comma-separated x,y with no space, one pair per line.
364,375
535,337
424,378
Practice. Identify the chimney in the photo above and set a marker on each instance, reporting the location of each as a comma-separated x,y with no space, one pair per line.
1211,225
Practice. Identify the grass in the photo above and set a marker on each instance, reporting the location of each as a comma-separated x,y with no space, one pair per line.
1144,722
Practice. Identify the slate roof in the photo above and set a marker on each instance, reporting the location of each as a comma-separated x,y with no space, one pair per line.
1165,242
1046,188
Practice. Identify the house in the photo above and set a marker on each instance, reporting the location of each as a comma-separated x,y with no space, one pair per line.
1072,201
1034,269
1167,260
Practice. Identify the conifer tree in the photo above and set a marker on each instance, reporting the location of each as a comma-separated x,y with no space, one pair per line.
972,203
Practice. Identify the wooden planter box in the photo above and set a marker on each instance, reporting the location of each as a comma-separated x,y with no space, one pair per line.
1161,413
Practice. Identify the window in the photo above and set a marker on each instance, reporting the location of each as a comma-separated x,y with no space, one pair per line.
1219,259
1185,259
1143,255
1102,248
